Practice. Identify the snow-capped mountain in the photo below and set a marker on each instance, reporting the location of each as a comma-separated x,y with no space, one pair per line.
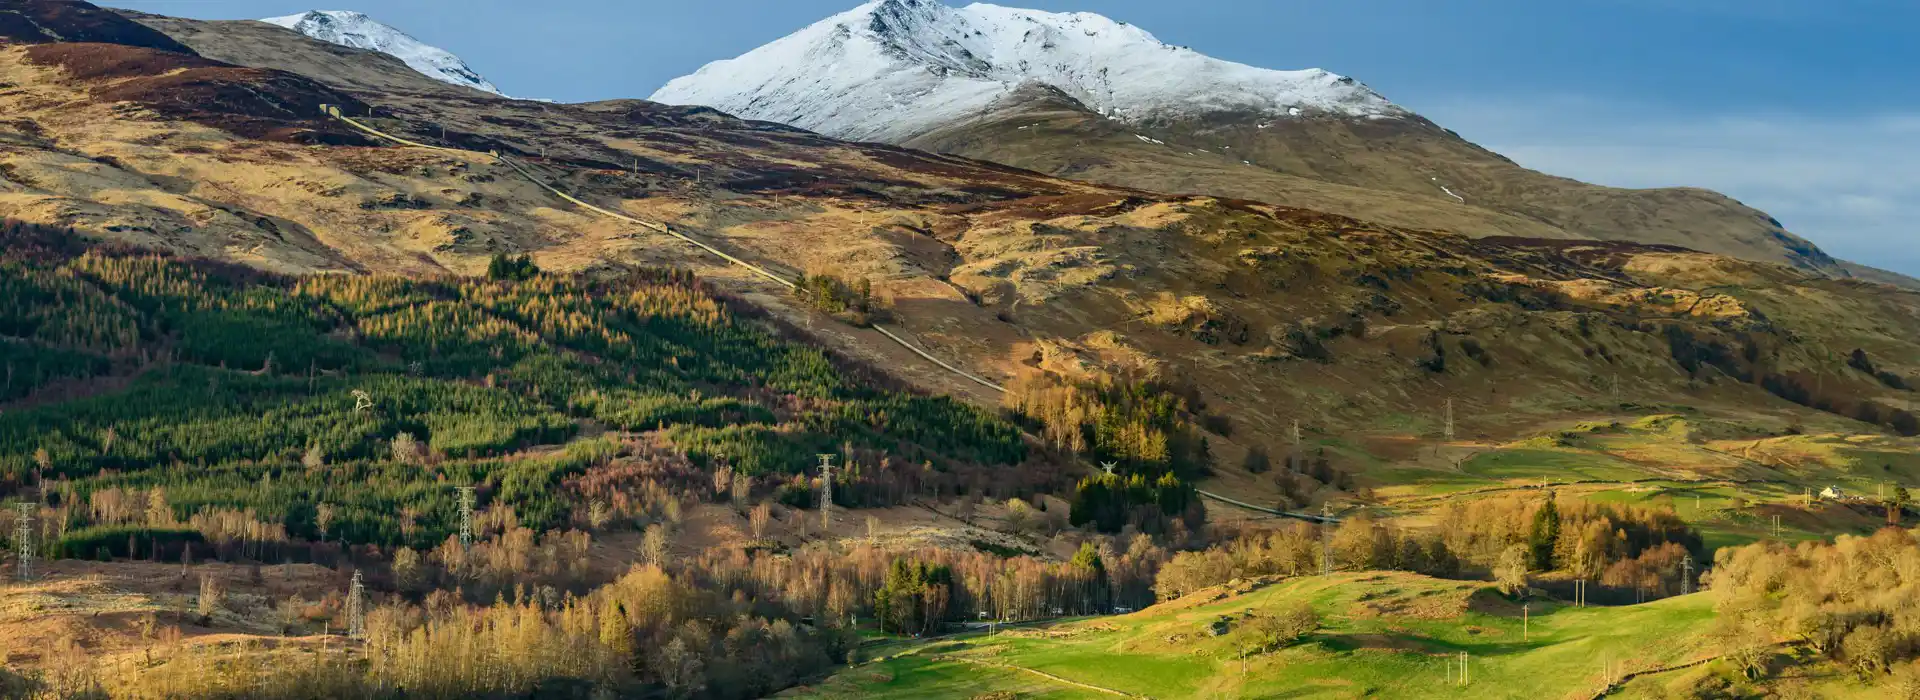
891,69
359,31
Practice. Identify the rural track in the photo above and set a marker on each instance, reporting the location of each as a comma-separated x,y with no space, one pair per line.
510,162
334,112
1040,673
1621,682
1270,511
1425,500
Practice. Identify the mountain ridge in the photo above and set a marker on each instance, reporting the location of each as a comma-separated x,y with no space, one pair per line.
359,31
933,77
927,62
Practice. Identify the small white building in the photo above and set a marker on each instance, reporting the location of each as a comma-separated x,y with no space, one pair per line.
1833,493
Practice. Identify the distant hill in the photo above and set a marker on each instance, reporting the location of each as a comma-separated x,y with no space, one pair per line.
1080,95
356,30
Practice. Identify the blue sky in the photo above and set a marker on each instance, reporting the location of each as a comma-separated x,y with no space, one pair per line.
1808,109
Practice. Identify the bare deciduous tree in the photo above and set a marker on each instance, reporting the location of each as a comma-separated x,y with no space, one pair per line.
406,449
1511,572
762,515
653,545
209,601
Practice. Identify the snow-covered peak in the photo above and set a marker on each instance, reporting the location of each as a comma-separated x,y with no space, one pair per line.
891,69
359,31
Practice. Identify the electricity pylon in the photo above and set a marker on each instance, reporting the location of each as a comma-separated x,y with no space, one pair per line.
1293,455
356,608
466,516
826,491
23,540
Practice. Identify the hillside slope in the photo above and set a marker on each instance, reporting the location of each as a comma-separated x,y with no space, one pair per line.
1387,635
125,368
265,45
1270,314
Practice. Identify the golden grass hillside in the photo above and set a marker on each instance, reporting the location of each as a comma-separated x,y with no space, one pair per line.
1274,315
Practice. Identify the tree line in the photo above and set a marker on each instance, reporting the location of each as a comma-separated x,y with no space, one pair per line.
1631,553
1634,553
1852,601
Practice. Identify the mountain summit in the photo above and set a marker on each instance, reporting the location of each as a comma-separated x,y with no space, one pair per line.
1082,96
892,69
359,31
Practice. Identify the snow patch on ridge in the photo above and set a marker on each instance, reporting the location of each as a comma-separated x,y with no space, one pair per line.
356,30
892,69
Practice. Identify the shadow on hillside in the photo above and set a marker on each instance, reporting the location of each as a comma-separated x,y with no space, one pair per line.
1411,644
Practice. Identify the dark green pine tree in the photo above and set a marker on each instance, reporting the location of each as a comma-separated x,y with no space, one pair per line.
1088,564
1546,531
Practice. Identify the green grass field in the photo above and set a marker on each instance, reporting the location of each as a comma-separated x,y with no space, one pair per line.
925,676
1517,464
1734,515
1552,465
1506,467
1723,477
1384,635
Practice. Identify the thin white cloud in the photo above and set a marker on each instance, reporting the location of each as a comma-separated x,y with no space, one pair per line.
1851,183
1771,10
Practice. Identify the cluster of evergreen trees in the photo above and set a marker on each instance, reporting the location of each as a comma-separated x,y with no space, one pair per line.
1111,502
917,597
1145,430
914,598
853,301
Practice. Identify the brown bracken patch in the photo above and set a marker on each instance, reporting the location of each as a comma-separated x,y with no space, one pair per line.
1422,604
107,61
256,103
50,21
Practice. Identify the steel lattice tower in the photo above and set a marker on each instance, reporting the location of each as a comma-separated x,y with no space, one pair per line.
23,540
826,491
356,608
466,516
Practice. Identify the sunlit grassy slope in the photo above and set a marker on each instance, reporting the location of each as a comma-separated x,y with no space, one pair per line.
1727,478
1385,635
